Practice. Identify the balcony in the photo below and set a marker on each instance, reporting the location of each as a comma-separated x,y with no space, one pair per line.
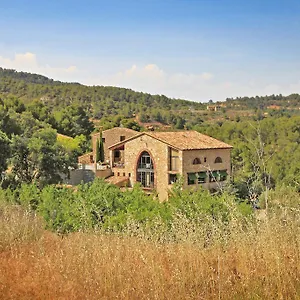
93,167
118,164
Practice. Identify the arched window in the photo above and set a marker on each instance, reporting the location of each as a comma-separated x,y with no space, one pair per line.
196,161
145,170
218,160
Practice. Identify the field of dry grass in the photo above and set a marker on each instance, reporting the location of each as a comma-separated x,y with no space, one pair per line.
260,263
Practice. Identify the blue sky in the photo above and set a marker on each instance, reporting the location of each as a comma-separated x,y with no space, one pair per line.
191,49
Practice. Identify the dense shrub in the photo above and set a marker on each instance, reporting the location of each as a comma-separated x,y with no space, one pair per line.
102,206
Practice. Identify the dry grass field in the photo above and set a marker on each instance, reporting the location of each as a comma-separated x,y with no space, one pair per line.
255,263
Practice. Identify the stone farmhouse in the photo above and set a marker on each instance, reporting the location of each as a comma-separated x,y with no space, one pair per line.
156,159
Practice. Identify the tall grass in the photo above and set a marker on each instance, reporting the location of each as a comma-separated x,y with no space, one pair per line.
257,260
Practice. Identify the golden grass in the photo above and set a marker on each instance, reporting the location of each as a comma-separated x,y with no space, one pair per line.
262,263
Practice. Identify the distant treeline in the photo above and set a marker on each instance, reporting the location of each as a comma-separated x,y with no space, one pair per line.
98,101
262,102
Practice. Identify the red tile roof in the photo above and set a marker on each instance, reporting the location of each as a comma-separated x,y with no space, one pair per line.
183,140
118,128
189,140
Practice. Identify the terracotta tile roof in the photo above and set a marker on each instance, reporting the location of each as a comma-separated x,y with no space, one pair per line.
183,140
117,128
189,140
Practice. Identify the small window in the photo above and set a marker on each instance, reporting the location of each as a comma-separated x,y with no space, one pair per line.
103,140
117,153
118,173
201,177
223,175
213,176
196,161
218,160
129,174
122,138
201,180
204,159
172,178
220,175
124,174
192,178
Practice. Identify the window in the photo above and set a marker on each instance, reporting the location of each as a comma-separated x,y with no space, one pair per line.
218,160
118,173
220,175
204,159
192,178
172,178
124,174
117,153
129,174
223,175
213,176
201,177
145,161
122,138
174,160
145,170
103,140
196,161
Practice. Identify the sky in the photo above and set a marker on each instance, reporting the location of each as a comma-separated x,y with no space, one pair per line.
190,49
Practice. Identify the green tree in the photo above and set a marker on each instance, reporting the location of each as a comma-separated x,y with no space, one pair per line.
5,151
40,158
131,124
97,150
101,148
179,123
73,121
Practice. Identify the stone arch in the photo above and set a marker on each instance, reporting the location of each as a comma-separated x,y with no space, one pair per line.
145,169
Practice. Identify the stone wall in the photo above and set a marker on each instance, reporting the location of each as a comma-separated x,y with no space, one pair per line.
111,136
86,158
78,176
160,155
103,173
206,166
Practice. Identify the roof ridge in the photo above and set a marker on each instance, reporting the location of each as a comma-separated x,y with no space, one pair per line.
129,129
182,140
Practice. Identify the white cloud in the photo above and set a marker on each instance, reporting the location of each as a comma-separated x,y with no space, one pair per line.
200,86
152,79
28,62
207,76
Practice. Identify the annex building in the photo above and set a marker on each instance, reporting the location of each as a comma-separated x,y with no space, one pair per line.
155,159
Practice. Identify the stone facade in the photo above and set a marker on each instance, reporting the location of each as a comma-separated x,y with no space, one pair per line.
110,137
157,159
208,168
158,152
207,165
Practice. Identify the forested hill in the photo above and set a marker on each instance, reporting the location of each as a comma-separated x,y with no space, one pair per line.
98,101
263,102
27,77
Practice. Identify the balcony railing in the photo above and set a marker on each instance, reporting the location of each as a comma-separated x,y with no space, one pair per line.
118,165
92,167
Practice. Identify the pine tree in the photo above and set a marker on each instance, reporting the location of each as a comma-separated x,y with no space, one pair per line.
97,151
101,149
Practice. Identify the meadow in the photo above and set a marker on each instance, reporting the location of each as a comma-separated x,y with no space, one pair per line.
253,258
